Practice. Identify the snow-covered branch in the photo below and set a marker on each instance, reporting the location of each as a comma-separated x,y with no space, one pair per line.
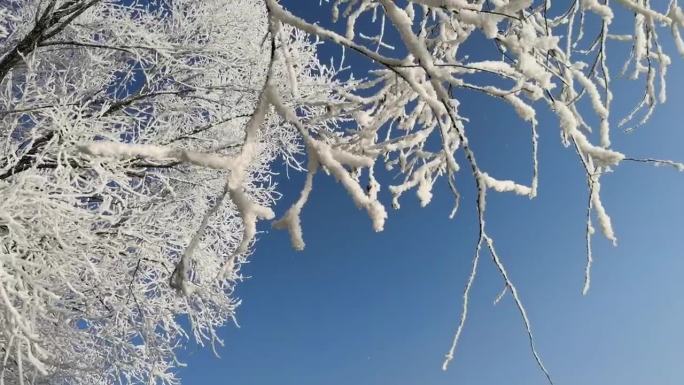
139,141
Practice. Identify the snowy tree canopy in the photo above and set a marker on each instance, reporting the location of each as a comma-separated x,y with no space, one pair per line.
140,140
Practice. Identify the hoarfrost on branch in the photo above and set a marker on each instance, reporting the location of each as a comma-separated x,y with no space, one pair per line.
139,140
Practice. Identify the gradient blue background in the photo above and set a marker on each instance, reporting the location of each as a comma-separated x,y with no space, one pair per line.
364,308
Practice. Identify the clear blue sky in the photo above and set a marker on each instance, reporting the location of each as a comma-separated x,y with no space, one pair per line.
364,308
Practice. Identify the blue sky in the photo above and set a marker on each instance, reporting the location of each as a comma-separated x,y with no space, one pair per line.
364,308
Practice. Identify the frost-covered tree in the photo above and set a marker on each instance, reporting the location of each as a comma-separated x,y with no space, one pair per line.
103,259
139,141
